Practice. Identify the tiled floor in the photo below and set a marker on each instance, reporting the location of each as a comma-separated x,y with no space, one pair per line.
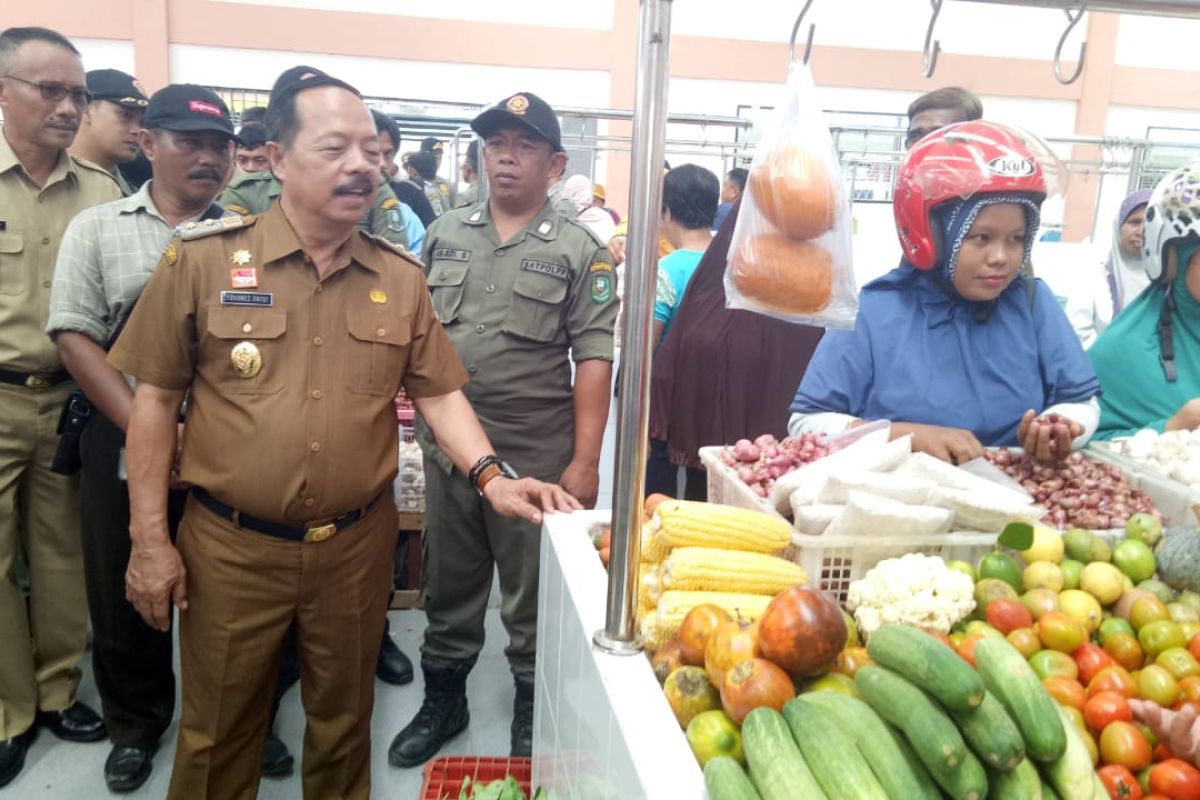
57,769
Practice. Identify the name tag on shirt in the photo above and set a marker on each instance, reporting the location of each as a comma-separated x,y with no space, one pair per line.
449,254
247,299
546,268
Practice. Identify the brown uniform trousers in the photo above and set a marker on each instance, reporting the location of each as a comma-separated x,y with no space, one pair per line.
304,435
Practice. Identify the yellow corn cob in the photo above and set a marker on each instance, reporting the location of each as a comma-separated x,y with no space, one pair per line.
685,523
653,550
673,606
653,637
649,585
717,570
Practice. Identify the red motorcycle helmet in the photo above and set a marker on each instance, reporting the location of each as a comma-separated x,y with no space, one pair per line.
958,162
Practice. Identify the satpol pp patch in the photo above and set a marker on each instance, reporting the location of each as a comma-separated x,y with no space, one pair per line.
602,287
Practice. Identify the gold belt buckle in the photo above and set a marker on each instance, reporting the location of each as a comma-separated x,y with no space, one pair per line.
320,533
36,382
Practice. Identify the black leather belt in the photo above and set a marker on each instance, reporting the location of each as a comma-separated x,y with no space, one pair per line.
293,533
34,380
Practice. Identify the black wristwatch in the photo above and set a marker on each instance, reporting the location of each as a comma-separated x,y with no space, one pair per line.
488,468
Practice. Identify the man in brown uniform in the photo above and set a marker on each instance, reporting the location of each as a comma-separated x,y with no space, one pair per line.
42,98
293,333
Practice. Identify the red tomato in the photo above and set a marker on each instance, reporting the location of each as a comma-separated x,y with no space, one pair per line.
1120,782
1091,658
1194,646
967,648
1175,779
1104,708
1125,650
1122,743
1116,679
1162,752
1189,687
1008,615
1068,693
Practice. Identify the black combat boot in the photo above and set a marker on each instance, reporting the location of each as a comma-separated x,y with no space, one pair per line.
442,716
522,724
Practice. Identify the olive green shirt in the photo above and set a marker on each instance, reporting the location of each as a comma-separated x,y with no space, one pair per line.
467,196
253,193
517,313
123,183
32,222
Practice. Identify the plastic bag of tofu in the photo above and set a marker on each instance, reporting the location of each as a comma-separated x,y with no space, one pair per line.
902,488
988,510
869,451
814,520
880,518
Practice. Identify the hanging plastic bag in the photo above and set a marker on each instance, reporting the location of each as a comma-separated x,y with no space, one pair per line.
790,255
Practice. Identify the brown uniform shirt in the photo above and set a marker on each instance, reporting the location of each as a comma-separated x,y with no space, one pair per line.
313,434
32,222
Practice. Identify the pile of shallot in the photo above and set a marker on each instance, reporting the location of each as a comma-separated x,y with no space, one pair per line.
1078,493
760,463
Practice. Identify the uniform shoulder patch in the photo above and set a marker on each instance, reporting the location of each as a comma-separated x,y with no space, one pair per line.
391,202
392,247
211,227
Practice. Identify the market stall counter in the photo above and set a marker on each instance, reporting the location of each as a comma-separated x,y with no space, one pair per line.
601,728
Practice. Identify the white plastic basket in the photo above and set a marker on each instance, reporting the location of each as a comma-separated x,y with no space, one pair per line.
726,488
834,562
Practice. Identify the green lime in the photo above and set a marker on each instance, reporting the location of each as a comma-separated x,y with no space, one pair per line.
1113,626
1071,570
1078,544
963,567
1135,559
1001,566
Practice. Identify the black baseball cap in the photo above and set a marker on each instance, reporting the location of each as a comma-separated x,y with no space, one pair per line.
187,107
297,79
431,144
117,87
525,110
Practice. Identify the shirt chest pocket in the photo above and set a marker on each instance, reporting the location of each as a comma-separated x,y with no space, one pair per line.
243,351
13,278
446,282
537,306
379,345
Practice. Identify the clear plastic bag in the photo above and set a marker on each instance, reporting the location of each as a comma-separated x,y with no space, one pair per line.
790,256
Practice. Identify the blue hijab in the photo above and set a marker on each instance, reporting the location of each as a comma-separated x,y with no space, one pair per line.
922,353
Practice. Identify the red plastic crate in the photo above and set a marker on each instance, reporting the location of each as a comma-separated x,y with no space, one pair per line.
444,776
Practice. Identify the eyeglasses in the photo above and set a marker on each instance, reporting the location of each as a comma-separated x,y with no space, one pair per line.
54,93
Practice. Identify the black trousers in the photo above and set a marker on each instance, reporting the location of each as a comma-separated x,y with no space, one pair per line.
662,477
131,660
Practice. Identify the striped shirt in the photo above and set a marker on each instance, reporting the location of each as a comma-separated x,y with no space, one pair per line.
107,254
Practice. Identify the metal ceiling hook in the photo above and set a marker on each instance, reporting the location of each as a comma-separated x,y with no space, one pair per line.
812,29
1058,70
933,47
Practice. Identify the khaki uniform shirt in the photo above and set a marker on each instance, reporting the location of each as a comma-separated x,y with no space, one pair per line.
516,311
254,192
305,429
444,191
32,221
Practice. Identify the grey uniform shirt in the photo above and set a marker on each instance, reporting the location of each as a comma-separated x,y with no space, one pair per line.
107,255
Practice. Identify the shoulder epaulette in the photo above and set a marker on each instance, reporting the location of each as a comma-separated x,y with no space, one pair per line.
198,230
581,226
392,247
251,177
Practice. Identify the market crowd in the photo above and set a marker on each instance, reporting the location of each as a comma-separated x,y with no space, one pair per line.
204,327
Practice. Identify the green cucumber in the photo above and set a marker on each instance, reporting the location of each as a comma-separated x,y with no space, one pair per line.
889,755
991,733
1048,792
926,662
1072,774
930,731
777,769
831,754
1020,783
1008,676
726,780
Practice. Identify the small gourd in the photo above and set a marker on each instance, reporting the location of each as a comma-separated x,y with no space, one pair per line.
1178,556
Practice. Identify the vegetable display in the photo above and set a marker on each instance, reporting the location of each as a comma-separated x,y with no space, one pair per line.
1079,493
761,462
914,589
